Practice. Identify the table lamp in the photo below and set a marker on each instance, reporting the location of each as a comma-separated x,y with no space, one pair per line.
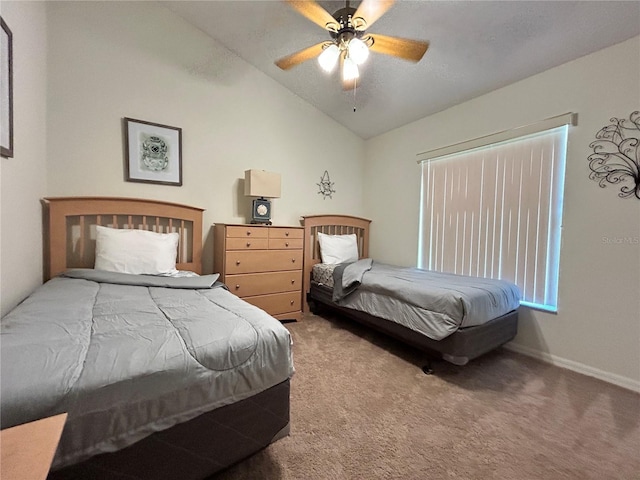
262,184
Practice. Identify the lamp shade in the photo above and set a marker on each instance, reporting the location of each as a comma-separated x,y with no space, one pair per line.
358,51
259,183
329,57
349,70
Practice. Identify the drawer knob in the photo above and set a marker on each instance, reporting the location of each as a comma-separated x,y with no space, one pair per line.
248,232
286,244
291,302
248,244
237,262
292,282
237,286
286,234
293,260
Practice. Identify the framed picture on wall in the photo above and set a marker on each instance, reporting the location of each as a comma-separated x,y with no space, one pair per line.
6,91
153,152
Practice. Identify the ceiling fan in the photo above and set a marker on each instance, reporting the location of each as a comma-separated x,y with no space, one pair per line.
351,43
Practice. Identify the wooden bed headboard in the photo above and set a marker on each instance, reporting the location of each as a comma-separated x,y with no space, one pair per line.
69,228
331,225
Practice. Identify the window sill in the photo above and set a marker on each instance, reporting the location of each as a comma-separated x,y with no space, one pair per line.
542,308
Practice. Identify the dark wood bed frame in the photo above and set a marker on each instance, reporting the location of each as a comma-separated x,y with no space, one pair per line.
194,449
459,348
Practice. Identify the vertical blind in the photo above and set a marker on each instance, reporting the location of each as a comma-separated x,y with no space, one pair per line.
496,211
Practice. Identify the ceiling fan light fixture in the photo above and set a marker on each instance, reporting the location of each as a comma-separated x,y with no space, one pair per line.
349,70
329,57
358,51
350,38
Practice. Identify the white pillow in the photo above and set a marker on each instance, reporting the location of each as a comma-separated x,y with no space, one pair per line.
336,249
135,251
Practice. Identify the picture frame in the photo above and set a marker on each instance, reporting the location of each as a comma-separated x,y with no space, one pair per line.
6,90
153,152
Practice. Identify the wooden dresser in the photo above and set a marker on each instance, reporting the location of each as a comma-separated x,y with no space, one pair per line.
262,265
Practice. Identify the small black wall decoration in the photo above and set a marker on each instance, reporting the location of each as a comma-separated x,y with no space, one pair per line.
616,155
326,186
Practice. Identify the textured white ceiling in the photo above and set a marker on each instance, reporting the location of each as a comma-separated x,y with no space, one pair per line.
476,47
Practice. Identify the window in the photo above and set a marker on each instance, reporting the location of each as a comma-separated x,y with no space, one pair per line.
495,211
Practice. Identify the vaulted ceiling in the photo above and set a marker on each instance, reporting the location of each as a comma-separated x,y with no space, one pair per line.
475,47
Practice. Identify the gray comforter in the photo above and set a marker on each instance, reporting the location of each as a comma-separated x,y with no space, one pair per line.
126,359
433,303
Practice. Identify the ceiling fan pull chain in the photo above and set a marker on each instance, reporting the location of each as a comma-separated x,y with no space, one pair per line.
354,94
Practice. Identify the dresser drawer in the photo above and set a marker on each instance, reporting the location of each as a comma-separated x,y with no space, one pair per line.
251,284
240,231
277,303
254,243
283,232
251,261
285,243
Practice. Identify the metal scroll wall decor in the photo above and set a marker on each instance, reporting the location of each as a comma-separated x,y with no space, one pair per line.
616,155
326,186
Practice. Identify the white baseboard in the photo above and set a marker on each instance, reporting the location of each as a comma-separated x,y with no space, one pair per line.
619,380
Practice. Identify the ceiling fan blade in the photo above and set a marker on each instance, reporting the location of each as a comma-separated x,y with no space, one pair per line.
285,63
411,50
372,10
314,12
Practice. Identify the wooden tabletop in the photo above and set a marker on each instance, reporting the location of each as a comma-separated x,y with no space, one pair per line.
26,451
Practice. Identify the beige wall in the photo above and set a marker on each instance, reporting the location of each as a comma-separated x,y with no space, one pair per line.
83,66
23,177
597,328
109,60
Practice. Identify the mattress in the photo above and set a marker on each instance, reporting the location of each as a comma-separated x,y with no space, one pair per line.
127,359
434,304
461,346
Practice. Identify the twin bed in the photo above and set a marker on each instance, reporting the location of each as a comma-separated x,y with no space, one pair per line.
449,316
162,377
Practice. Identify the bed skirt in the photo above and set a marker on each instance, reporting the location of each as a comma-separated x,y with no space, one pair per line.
197,448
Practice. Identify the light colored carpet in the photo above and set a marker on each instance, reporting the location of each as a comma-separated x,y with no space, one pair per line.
361,408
